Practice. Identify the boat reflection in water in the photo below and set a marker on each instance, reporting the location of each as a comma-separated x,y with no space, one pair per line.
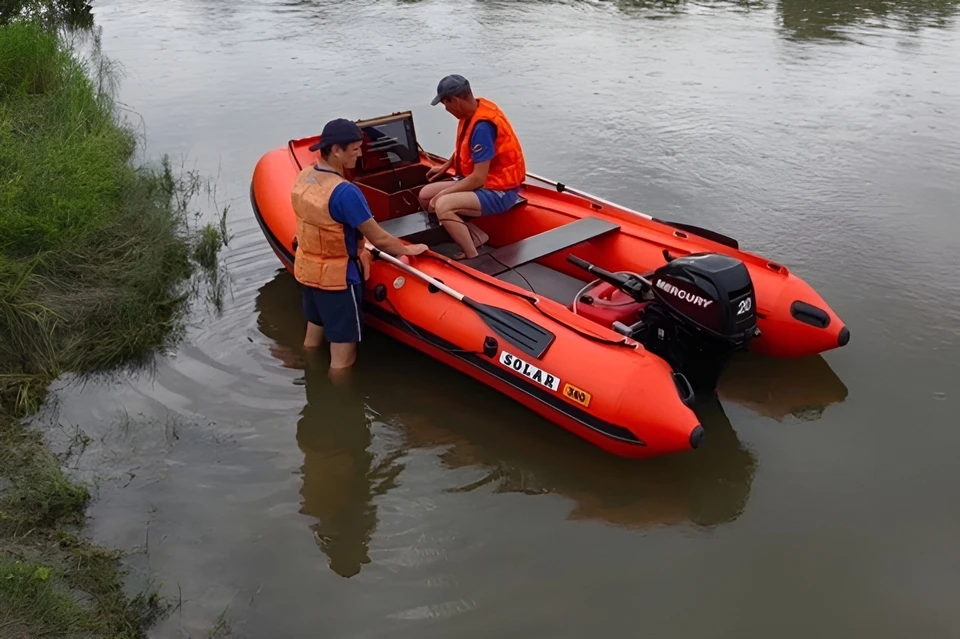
800,388
345,469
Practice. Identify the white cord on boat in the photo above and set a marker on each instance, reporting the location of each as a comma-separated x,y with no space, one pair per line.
600,302
580,292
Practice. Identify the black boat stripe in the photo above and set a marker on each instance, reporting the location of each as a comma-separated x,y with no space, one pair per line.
542,395
603,427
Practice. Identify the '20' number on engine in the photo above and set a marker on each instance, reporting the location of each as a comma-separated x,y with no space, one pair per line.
745,305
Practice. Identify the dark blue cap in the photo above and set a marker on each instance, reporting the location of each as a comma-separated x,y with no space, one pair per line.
450,85
340,131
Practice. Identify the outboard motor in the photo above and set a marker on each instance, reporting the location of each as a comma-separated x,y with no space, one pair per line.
695,312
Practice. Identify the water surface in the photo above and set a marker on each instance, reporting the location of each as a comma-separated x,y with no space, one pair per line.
822,134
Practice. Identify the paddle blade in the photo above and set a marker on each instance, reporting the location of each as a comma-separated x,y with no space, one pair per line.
527,336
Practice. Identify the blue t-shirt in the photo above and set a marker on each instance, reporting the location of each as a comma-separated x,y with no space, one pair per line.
481,141
481,149
350,208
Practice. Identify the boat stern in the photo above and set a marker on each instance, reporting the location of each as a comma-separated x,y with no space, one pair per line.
657,407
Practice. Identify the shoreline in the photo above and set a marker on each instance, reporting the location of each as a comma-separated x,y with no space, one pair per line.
104,260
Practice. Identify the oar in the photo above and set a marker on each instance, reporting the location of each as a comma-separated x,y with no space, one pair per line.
696,230
529,337
561,187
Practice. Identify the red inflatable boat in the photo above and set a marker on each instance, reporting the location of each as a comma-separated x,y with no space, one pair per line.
602,319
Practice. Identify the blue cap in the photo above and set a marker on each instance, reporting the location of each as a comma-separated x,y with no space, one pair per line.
450,85
340,131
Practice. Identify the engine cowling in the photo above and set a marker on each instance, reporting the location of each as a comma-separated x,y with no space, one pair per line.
695,312
711,292
703,311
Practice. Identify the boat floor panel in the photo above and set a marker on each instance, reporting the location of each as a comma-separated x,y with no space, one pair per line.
544,282
533,277
533,248
449,249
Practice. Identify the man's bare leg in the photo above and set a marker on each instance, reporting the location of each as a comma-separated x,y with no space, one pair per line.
450,211
429,191
342,358
314,336
479,236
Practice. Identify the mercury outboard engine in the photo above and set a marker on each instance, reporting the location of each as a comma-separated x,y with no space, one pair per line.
695,312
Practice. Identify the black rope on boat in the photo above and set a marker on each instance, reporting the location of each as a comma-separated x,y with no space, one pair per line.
595,338
294,155
494,258
413,329
561,187
533,302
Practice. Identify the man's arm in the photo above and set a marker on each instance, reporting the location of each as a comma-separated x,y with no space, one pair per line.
472,182
437,171
386,242
482,150
348,206
365,257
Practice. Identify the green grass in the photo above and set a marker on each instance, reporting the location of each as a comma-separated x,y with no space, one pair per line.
95,251
78,593
31,592
99,262
53,583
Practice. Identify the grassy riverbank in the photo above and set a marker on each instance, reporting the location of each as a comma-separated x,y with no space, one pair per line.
97,261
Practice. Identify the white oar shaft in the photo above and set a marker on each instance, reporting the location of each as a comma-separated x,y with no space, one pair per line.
416,272
554,183
600,200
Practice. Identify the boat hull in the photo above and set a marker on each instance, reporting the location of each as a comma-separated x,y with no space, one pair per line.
590,380
612,394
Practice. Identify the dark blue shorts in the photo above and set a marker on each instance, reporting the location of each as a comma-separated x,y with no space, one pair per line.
340,313
493,202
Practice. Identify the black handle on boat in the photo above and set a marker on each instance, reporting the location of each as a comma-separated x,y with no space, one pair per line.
630,284
611,278
524,334
576,261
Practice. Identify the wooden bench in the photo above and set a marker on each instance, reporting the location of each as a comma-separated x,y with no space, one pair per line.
537,246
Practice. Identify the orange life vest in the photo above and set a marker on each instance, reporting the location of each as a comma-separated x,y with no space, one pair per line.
322,259
507,168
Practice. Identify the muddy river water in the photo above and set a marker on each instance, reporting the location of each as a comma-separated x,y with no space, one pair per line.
823,134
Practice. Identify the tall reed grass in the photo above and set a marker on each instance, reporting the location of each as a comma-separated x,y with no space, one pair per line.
94,250
98,258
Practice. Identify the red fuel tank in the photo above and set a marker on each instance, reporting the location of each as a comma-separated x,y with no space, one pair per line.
605,304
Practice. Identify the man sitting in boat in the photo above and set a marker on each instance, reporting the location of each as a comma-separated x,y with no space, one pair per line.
487,161
333,218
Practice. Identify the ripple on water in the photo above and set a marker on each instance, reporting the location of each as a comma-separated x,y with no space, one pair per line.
435,611
838,159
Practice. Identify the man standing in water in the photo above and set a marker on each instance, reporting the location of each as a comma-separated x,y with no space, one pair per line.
487,160
333,219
